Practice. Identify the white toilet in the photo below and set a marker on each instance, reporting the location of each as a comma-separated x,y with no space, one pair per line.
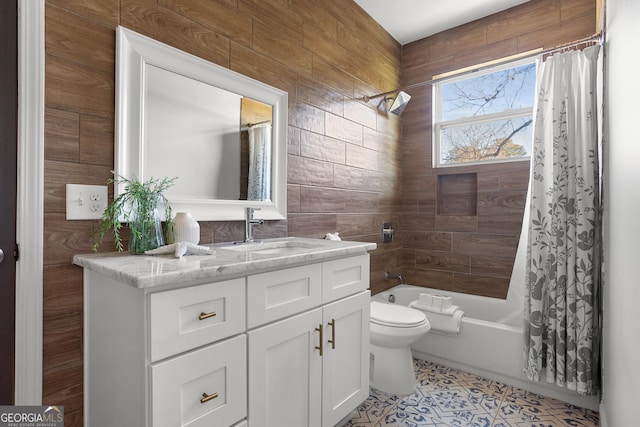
393,329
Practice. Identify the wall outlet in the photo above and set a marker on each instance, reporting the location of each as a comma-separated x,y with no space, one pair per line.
86,201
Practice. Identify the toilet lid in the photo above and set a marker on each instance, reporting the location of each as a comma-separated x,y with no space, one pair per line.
396,315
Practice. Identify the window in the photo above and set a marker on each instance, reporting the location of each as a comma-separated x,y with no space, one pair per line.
485,116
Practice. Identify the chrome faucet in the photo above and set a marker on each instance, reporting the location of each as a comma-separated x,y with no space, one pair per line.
397,277
249,222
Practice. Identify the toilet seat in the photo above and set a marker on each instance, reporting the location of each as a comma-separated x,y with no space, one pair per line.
397,316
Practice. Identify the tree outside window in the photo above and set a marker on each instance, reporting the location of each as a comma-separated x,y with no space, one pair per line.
485,116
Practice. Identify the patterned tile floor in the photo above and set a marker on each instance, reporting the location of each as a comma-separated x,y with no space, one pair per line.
450,398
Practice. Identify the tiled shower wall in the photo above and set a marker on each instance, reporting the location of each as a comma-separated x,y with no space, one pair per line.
461,225
343,161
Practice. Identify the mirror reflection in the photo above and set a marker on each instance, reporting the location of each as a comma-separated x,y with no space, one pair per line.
216,141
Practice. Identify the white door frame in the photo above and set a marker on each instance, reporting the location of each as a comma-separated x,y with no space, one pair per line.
30,203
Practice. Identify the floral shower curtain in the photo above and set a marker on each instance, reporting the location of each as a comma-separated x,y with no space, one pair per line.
562,330
259,162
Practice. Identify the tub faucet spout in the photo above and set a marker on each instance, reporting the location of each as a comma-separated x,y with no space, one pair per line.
397,277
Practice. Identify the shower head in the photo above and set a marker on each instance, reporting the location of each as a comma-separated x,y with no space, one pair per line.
399,102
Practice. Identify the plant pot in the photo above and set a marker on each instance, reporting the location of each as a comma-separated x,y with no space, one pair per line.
145,227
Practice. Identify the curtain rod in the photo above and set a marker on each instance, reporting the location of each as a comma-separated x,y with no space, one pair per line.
258,123
597,38
250,125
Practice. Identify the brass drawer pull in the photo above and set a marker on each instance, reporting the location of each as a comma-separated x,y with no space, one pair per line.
319,329
207,397
333,333
204,315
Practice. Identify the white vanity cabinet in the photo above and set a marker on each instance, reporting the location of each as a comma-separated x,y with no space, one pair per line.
168,358
311,369
227,340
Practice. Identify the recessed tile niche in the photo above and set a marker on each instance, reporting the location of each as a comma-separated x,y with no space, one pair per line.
458,194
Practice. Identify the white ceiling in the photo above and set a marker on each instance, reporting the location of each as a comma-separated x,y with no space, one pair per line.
410,20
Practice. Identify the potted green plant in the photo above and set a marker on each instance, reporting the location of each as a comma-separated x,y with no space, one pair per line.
138,206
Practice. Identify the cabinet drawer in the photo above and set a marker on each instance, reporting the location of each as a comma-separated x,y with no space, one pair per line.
281,293
344,277
187,318
206,387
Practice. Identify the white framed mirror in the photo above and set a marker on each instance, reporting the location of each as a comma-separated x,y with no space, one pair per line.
223,134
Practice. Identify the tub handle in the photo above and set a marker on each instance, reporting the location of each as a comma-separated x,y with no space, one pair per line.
333,334
319,329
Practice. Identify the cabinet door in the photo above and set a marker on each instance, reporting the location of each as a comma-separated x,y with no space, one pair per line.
205,387
281,293
285,370
345,378
345,276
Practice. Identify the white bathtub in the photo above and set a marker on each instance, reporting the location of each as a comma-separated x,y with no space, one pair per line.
490,342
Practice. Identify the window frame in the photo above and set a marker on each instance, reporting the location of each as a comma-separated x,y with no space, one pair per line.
438,125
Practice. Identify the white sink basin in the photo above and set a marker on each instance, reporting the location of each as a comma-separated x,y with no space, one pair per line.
274,247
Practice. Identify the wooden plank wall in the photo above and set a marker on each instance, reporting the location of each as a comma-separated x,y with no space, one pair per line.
471,253
343,174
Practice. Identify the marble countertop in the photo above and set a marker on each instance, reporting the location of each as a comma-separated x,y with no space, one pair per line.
226,261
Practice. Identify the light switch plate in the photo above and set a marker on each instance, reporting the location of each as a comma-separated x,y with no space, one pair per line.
86,201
